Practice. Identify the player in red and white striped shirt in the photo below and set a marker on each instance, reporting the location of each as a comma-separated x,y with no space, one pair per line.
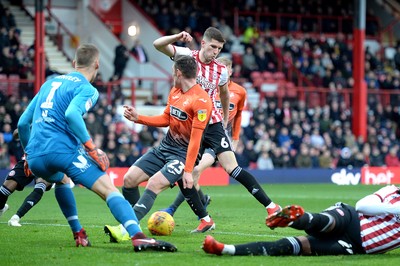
213,76
372,227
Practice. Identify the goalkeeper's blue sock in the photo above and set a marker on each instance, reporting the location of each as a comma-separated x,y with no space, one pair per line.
67,203
123,212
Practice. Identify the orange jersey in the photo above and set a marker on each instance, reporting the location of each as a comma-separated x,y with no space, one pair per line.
237,99
187,115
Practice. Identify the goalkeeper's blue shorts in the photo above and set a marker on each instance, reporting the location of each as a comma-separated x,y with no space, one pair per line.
78,166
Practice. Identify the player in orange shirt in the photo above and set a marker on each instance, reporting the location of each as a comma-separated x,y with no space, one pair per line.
187,114
237,99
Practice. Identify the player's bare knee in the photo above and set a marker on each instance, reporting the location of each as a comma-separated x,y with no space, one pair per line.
130,181
305,245
156,186
65,180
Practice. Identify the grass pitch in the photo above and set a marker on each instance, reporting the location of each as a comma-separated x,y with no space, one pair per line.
45,238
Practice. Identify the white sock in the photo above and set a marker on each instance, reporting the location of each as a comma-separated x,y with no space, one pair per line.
271,205
229,249
207,218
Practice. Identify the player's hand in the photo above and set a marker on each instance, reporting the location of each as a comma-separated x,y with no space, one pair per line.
98,156
184,37
27,171
235,143
130,113
187,179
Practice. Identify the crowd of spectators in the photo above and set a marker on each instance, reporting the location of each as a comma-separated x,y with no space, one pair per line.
294,135
291,136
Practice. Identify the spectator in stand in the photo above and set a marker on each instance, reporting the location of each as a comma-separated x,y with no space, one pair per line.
359,160
8,19
249,152
337,137
264,161
7,133
303,159
284,138
346,158
146,137
139,52
392,158
264,143
241,156
317,141
249,62
120,60
325,159
314,154
277,158
4,156
376,158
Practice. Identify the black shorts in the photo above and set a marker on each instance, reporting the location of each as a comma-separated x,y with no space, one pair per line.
344,239
171,163
18,175
216,139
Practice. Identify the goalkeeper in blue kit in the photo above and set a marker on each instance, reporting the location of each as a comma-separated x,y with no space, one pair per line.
52,131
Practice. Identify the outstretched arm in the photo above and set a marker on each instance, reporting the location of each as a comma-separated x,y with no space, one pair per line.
131,114
373,205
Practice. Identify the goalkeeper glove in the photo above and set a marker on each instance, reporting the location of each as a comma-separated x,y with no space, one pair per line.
98,156
27,171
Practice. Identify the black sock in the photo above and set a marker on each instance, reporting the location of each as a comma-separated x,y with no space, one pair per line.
32,199
193,199
144,204
312,222
132,195
284,246
4,193
178,201
202,197
251,184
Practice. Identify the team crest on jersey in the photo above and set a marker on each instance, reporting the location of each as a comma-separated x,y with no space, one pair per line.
202,115
11,173
340,212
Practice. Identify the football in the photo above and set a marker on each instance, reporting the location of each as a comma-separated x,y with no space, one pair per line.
161,224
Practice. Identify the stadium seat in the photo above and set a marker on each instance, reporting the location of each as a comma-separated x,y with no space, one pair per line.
237,59
257,82
279,76
291,91
255,75
267,75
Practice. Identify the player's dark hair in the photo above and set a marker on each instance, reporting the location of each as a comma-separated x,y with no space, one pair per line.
187,65
86,54
213,33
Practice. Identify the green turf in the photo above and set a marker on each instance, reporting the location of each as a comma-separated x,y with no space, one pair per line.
45,238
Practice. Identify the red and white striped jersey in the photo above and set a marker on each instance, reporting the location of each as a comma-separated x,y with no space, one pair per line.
210,77
381,233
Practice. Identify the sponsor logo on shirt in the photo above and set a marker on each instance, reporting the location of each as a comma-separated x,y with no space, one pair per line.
179,114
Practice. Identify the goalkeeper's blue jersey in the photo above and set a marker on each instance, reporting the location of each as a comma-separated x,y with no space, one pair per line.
50,132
